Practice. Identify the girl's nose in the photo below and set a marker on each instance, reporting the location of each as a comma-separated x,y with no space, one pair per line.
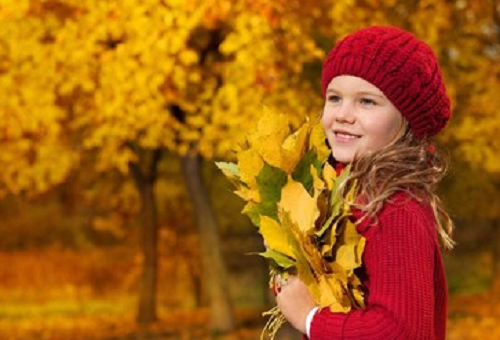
345,113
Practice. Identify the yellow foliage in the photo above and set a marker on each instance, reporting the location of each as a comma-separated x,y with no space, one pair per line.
305,224
177,75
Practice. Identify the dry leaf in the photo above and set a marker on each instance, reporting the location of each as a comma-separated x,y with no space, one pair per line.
299,204
275,236
249,164
293,149
272,130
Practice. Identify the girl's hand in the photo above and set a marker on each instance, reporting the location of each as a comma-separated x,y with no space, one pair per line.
295,302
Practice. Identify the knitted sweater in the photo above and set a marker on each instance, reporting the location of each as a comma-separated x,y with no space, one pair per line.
406,291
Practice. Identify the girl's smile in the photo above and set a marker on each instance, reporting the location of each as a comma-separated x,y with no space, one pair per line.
342,136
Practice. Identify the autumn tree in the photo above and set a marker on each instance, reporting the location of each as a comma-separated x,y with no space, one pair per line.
126,81
30,134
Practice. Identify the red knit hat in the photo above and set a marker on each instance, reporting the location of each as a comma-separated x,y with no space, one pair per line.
403,67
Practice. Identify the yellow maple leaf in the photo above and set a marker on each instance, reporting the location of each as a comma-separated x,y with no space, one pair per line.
317,141
293,148
299,204
275,236
360,249
332,294
249,164
329,175
304,269
248,194
339,272
248,207
266,140
318,184
350,235
346,257
310,252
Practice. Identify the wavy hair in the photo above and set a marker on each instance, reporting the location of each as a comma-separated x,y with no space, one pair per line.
409,164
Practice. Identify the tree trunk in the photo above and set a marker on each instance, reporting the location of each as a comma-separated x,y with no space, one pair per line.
495,252
149,244
145,181
214,273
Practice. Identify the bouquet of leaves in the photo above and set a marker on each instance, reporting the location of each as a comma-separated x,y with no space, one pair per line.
291,195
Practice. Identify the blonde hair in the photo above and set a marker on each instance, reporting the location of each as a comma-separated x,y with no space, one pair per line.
409,164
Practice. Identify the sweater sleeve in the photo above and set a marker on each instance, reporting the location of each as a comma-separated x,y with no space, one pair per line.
399,263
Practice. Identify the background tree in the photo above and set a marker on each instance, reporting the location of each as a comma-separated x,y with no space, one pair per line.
475,67
128,81
31,134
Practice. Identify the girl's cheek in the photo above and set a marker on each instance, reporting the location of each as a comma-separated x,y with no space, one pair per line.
326,117
327,122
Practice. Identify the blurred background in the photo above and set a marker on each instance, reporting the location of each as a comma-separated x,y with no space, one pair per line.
114,221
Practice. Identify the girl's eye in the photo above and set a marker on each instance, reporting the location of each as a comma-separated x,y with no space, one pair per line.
367,101
333,98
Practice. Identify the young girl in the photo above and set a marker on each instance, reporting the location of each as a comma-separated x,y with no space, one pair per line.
384,102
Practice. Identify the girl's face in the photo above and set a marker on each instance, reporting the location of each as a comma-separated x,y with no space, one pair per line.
358,119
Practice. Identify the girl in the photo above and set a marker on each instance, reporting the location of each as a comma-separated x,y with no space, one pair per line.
384,102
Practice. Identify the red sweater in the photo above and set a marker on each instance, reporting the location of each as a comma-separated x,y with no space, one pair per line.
406,291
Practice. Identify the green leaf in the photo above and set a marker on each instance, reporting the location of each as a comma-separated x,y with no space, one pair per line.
334,215
343,175
302,172
252,211
270,181
280,260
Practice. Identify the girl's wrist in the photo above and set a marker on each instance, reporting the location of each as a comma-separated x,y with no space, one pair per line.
309,319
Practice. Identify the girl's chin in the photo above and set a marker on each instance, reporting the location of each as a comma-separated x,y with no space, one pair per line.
343,157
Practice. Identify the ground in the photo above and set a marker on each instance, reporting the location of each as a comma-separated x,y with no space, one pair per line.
471,317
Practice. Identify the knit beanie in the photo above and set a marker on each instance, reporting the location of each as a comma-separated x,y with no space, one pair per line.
403,67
